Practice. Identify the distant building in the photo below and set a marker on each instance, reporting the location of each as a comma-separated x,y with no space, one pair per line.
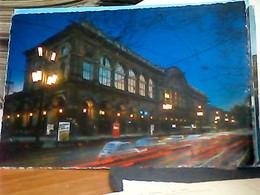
92,81
189,106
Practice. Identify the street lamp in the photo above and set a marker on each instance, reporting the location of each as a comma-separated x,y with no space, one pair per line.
42,52
36,76
43,78
39,77
200,115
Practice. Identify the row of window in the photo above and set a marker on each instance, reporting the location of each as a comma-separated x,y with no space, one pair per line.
105,78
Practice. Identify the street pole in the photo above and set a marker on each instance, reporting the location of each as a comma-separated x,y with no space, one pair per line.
37,137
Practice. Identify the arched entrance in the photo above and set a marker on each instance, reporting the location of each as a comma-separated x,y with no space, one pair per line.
120,115
104,120
56,111
86,118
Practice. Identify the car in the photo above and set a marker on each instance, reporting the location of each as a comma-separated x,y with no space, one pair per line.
174,138
114,148
193,137
148,142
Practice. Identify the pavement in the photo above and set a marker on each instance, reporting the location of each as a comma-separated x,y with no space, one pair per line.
46,142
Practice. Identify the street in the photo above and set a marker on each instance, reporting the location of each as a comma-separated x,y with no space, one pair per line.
225,149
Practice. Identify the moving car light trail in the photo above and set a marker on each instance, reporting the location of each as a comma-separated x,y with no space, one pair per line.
224,150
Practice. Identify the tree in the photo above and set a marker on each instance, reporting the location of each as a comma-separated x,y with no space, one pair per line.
242,115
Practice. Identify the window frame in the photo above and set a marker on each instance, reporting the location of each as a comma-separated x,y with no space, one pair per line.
119,80
87,72
142,86
131,81
150,89
104,73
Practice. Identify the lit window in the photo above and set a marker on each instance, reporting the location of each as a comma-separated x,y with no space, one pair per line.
131,82
119,77
142,85
105,72
167,95
87,71
150,88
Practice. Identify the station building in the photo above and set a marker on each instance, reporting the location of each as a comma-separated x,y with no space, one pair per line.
83,76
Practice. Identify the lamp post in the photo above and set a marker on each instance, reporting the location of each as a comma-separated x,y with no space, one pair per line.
42,79
200,114
38,77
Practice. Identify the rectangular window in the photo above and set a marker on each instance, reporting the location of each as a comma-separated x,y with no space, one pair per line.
87,71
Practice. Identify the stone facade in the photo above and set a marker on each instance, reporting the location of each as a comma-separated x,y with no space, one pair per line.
99,82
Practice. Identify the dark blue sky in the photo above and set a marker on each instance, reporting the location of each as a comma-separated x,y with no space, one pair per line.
208,43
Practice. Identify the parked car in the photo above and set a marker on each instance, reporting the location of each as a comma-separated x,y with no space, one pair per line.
116,148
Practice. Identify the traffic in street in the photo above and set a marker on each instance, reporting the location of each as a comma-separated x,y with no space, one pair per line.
223,149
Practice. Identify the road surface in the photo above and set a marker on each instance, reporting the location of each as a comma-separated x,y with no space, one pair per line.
226,149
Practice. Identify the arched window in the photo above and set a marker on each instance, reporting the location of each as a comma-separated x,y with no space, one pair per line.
65,50
119,77
142,85
88,109
150,88
87,71
131,82
104,72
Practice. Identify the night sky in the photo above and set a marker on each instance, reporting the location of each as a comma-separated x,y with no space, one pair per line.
207,42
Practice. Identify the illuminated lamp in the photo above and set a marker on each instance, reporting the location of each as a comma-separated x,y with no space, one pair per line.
36,76
53,56
200,113
52,79
167,106
40,51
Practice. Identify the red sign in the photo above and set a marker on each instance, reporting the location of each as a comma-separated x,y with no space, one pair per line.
116,130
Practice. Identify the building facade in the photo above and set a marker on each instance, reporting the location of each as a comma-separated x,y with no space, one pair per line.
84,77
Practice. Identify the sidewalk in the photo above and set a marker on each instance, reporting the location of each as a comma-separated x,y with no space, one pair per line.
51,141
28,143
